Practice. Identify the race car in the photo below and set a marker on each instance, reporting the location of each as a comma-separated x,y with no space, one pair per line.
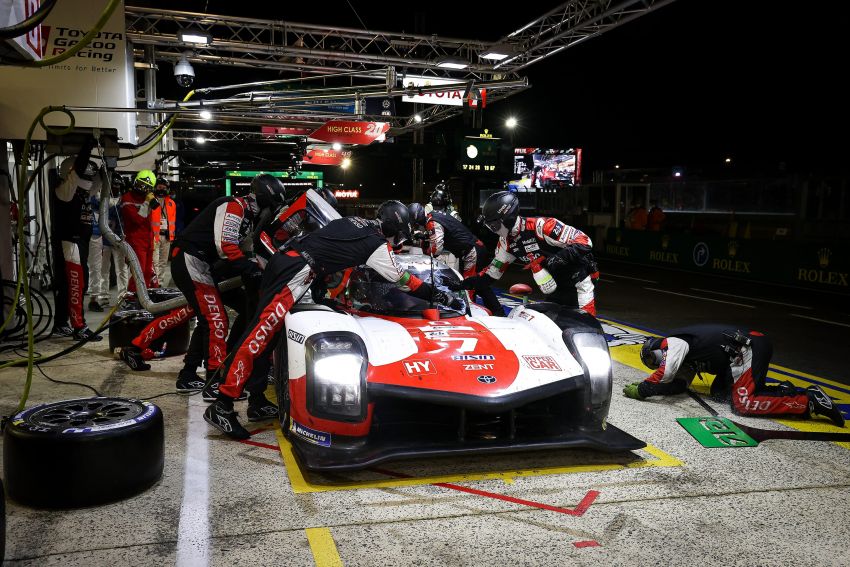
378,375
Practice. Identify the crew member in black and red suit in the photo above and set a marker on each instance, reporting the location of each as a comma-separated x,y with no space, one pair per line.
559,256
445,232
214,247
341,244
739,359
79,181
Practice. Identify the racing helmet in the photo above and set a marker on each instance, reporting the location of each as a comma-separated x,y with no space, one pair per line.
441,198
268,190
500,212
145,181
417,215
651,354
328,196
68,164
162,187
395,221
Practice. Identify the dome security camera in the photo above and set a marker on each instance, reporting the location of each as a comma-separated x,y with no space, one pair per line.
184,73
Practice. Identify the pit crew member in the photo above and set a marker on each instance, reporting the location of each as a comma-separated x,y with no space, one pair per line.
560,256
78,182
445,232
739,359
341,244
135,207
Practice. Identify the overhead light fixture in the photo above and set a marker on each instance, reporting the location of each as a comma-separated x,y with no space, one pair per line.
195,37
346,163
498,52
417,118
206,114
452,63
200,140
337,146
511,122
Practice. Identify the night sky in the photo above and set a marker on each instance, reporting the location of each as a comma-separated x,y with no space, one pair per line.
690,84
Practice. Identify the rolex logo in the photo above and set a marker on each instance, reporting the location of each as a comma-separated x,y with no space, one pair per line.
732,248
823,257
665,242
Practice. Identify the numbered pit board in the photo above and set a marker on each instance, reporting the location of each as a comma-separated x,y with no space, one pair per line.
714,432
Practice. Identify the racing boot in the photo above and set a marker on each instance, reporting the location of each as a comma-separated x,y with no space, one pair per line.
188,381
86,334
132,356
223,417
260,408
210,392
821,404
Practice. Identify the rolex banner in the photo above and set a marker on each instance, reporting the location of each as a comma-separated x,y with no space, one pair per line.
821,266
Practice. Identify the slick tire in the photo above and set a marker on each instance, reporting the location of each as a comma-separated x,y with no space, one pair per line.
83,452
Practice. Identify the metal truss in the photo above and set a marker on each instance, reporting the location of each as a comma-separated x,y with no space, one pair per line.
567,25
320,51
275,44
281,45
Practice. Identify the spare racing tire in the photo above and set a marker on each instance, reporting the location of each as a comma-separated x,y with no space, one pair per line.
83,452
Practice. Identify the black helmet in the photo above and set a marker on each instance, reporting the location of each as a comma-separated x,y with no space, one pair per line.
417,215
118,185
395,221
162,187
441,198
500,212
650,353
328,196
268,190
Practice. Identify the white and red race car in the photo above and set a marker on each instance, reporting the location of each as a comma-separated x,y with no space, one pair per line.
377,375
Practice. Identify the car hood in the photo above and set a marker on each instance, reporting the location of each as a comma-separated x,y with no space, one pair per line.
483,356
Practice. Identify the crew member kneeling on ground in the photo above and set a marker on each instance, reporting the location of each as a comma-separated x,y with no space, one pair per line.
79,181
445,232
560,256
739,359
342,243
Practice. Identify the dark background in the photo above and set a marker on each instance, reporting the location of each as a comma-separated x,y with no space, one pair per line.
690,84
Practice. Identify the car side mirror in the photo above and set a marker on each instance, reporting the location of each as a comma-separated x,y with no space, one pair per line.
522,290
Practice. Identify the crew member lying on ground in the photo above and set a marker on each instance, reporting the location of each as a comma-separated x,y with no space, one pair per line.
739,358
343,243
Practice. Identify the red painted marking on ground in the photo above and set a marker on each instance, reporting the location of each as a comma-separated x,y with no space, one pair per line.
577,511
588,543
258,444
252,433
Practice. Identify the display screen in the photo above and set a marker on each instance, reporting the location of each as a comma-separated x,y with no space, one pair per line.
545,168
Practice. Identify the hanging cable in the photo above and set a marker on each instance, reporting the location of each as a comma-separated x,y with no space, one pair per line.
25,26
84,41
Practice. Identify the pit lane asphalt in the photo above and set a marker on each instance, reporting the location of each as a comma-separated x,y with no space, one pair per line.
810,330
226,503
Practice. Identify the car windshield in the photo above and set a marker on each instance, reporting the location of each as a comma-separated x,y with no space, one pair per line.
370,292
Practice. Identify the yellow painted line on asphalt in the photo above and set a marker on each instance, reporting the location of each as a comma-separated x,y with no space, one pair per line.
323,547
301,485
630,356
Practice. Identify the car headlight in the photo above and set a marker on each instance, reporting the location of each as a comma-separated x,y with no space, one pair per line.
336,376
593,351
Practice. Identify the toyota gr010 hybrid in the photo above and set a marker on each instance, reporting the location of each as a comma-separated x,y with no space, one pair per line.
375,376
